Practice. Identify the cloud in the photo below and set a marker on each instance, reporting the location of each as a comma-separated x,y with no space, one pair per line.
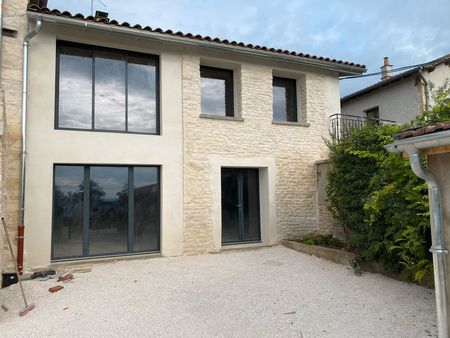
362,32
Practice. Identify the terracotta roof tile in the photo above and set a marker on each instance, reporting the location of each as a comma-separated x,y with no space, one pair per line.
78,16
441,126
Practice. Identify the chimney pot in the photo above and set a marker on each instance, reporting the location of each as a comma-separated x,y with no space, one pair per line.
386,70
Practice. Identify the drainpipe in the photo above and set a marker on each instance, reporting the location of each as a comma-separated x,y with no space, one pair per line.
426,87
21,227
438,248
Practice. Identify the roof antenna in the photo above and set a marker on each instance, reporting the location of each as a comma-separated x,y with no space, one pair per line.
92,5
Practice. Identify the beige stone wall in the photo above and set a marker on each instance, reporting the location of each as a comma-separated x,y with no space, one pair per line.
14,17
294,148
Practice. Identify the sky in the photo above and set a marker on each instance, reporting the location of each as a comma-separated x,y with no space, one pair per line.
408,32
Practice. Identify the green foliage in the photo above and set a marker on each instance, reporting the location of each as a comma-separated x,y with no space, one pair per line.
440,112
327,240
380,202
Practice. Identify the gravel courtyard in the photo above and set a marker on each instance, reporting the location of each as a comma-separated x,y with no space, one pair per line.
270,292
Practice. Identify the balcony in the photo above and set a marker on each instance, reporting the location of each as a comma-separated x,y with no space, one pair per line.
341,125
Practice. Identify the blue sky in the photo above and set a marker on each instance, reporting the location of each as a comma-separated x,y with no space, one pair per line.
408,31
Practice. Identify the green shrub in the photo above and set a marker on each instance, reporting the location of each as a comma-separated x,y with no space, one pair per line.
380,202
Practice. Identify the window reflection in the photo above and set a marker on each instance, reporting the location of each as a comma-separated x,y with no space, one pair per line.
125,89
108,197
68,212
75,88
146,209
216,91
284,99
141,95
109,91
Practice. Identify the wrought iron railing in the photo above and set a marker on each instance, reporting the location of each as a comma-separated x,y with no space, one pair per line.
341,125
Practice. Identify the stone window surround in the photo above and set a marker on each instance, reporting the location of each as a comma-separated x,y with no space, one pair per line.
300,77
267,186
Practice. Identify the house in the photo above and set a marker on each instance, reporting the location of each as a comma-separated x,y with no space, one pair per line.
397,98
433,142
142,141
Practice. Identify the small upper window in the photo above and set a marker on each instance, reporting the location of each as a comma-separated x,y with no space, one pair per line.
105,89
284,99
373,115
216,91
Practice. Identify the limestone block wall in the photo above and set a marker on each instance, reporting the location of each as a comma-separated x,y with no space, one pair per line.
14,18
294,148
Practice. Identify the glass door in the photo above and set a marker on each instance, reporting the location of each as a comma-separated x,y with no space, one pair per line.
240,205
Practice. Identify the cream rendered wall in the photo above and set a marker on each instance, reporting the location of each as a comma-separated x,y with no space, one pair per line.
285,154
48,146
438,76
398,102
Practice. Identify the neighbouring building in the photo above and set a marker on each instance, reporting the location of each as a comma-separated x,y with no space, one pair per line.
149,141
398,98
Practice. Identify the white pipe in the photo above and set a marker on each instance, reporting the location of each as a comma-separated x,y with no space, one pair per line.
438,248
25,46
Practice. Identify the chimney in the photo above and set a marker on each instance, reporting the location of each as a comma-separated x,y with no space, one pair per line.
386,70
102,16
39,3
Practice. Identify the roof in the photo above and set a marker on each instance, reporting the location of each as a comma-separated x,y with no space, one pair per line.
427,66
110,22
441,126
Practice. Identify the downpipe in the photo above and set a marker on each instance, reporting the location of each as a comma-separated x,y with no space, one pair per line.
21,227
438,248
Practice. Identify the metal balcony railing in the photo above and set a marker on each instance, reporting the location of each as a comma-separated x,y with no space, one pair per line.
341,125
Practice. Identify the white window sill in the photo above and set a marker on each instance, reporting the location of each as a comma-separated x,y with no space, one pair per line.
217,117
289,123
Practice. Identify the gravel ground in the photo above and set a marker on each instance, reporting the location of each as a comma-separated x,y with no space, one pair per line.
270,292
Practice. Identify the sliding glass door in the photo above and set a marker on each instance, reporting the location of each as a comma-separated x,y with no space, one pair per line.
105,210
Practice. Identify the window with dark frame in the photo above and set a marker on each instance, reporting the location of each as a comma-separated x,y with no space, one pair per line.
102,89
105,210
284,99
373,116
216,91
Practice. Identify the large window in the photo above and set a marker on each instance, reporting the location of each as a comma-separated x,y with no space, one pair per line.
106,89
284,99
216,91
105,210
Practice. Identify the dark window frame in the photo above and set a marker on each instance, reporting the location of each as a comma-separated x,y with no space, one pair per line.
375,120
86,211
284,82
60,44
223,74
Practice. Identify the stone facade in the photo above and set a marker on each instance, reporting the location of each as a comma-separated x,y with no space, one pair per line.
295,148
191,148
14,18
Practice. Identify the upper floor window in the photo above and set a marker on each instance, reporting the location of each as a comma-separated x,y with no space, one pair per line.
284,99
216,91
373,115
105,89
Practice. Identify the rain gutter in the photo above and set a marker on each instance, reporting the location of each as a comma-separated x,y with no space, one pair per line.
177,40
